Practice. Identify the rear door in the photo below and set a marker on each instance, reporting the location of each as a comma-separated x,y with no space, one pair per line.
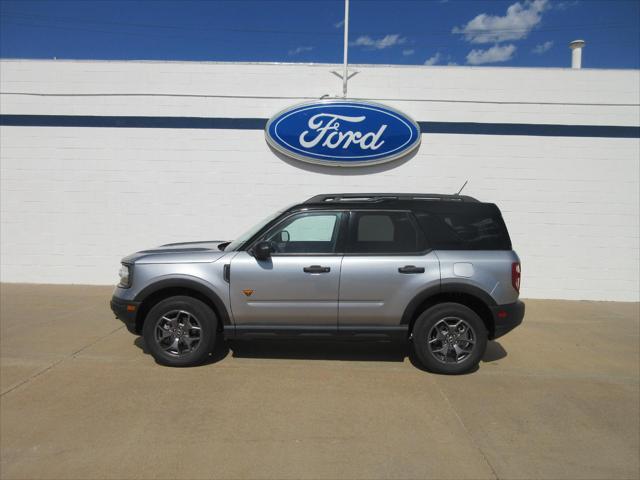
386,264
298,285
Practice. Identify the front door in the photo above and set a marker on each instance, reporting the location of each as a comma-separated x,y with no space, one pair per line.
298,285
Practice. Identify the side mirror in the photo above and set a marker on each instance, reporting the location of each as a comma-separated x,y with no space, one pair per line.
262,251
282,237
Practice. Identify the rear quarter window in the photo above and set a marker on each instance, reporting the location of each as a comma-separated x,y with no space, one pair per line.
464,227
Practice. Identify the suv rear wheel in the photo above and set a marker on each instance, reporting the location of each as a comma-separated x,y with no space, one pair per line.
449,338
180,331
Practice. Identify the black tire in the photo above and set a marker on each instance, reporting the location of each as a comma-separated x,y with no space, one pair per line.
176,309
451,363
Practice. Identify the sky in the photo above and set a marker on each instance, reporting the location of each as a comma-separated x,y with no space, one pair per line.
531,33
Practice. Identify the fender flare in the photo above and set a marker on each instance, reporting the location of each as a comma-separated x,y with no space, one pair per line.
453,286
447,286
191,283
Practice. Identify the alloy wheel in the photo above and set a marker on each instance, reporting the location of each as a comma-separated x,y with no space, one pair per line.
451,340
178,333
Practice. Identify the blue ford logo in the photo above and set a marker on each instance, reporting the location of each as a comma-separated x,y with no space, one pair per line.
342,132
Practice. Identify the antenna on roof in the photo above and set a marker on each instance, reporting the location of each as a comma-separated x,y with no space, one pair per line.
463,185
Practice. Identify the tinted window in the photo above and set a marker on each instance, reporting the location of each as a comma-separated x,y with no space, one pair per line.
306,233
375,228
465,227
384,232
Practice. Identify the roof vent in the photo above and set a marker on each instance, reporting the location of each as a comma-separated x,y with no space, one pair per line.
576,53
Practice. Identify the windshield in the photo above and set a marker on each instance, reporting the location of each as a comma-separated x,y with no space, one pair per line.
237,243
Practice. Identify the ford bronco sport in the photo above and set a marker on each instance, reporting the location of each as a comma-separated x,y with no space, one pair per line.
436,269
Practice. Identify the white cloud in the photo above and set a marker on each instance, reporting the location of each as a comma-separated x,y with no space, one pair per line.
565,5
516,24
407,52
299,50
380,43
495,54
339,24
543,47
434,59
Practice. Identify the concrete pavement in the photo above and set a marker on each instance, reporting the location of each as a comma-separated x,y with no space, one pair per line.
557,398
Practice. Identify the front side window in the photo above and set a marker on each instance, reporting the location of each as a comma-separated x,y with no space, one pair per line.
306,233
384,232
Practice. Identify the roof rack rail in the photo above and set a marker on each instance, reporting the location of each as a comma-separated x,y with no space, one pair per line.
379,197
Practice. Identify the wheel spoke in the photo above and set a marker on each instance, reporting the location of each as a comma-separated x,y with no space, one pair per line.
459,350
189,325
165,333
443,350
175,345
171,321
190,341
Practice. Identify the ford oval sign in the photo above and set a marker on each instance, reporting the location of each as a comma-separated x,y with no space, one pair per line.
342,132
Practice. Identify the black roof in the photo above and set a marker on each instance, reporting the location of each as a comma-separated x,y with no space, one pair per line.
377,197
412,201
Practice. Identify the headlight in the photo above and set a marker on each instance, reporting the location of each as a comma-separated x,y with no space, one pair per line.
125,276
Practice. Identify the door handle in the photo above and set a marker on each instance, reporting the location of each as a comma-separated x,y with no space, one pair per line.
411,269
316,269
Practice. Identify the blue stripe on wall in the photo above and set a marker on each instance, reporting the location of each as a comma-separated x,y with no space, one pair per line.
530,129
464,128
132,122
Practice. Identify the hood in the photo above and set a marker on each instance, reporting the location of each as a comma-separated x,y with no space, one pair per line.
189,252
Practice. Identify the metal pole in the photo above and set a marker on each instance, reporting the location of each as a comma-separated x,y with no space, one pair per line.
345,75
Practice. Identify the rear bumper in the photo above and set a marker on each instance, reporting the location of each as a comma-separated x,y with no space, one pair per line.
126,311
507,317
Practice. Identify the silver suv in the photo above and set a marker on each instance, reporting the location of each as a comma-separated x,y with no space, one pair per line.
436,269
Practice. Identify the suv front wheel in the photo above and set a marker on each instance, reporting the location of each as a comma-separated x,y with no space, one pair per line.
180,331
449,338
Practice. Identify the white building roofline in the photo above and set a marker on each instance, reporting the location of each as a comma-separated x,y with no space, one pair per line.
307,64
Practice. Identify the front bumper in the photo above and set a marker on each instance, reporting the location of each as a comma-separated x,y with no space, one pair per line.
125,310
506,318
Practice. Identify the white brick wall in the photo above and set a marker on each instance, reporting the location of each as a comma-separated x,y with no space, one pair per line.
75,200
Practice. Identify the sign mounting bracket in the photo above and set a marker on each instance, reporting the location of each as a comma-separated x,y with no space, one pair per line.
345,62
340,75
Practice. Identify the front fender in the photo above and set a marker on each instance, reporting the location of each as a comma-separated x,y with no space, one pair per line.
188,282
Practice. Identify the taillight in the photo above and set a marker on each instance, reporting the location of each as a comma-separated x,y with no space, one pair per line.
515,276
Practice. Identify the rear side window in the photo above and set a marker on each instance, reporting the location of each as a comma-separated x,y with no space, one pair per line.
384,232
465,227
